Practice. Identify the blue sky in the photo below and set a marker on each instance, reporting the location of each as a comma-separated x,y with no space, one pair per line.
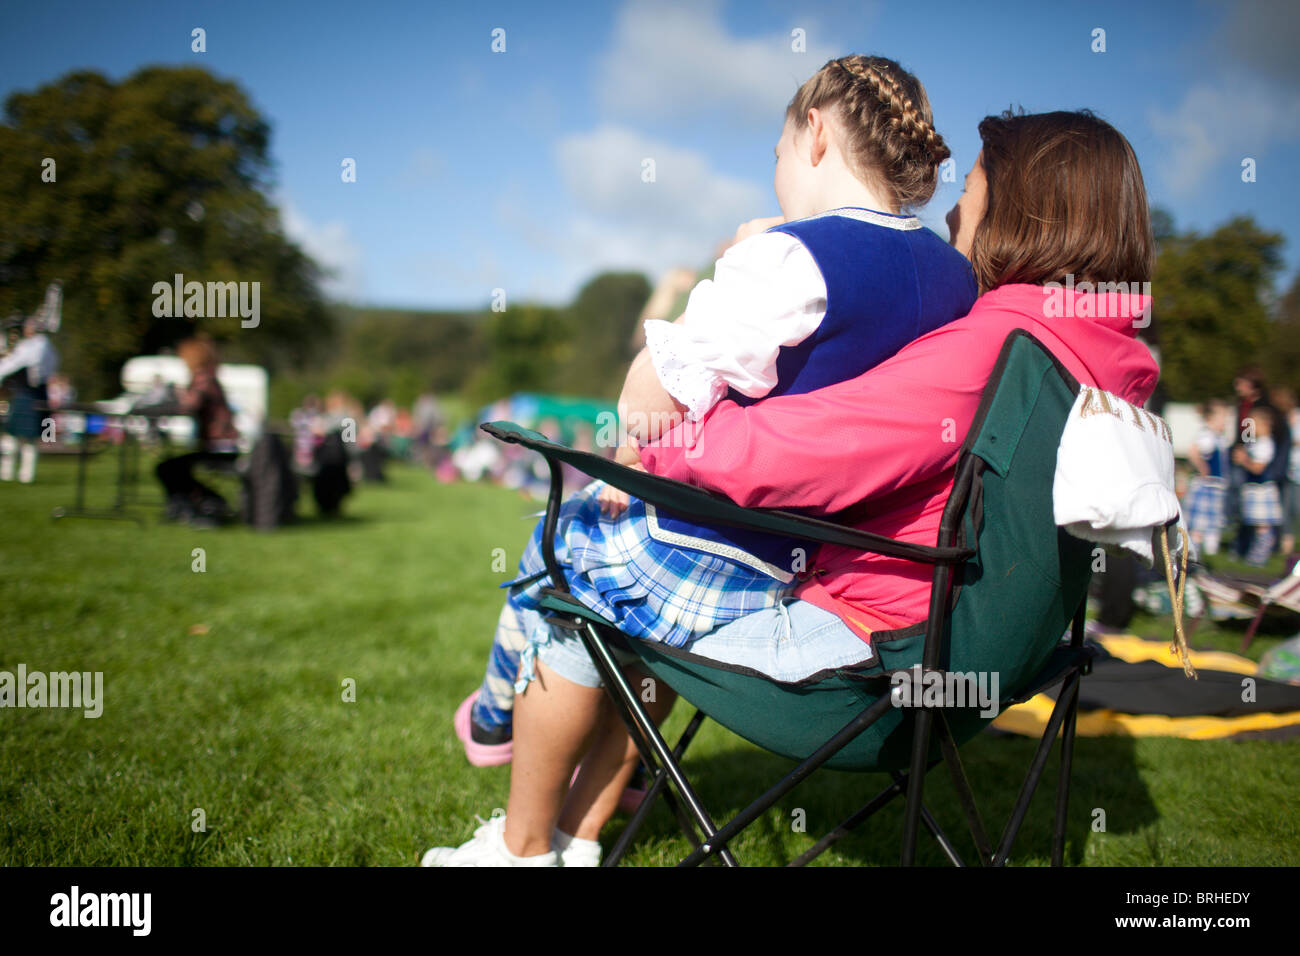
521,169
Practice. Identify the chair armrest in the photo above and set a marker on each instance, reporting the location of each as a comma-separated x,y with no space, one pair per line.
696,503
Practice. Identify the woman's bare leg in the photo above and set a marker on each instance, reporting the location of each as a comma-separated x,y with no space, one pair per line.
609,765
555,723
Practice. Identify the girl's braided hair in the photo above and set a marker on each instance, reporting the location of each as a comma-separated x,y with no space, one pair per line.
886,117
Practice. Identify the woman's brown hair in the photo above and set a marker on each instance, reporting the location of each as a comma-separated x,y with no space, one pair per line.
198,353
1065,197
892,141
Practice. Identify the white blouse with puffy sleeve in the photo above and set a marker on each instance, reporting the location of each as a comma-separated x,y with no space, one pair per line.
766,292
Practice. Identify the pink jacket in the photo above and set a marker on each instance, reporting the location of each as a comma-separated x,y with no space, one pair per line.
891,437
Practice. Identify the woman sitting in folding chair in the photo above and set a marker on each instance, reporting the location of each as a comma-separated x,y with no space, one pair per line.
1053,199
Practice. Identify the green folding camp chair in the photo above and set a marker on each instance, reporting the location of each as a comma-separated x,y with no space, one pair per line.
1007,585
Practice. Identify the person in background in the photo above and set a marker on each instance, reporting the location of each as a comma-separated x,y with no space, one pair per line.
427,420
188,499
1252,395
402,435
26,372
308,430
382,418
1261,504
1207,492
1284,400
61,391
1249,386
372,453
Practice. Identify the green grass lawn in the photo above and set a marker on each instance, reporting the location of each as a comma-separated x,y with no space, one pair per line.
223,692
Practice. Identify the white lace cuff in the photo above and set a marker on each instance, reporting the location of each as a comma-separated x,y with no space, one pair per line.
683,376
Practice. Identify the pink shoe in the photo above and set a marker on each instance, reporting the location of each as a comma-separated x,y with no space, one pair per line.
480,755
628,801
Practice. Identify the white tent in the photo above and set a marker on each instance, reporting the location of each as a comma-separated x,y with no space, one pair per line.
245,387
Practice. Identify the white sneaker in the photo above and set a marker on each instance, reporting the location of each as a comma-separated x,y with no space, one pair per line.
488,848
575,852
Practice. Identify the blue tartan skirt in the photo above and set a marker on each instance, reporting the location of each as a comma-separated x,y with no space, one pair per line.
1207,504
1261,504
650,590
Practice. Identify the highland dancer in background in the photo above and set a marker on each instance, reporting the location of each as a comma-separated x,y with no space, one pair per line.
25,372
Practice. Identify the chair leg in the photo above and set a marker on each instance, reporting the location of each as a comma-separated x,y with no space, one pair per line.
638,818
655,789
952,758
937,832
916,783
1036,768
791,780
856,819
684,821
659,784
851,823
1063,781
651,744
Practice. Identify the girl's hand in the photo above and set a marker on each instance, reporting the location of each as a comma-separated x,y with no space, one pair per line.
754,227
613,502
629,455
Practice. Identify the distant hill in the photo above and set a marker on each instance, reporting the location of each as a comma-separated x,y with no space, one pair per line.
374,353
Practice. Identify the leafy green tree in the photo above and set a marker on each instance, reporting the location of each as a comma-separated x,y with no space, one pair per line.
526,344
1282,354
582,349
1162,224
1210,314
602,321
165,172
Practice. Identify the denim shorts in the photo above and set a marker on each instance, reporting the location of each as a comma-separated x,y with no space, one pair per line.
788,642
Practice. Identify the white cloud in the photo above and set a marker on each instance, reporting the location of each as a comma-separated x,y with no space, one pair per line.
677,60
623,222
668,63
333,248
1221,122
1248,101
605,171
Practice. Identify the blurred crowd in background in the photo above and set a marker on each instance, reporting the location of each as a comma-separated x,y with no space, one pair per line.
424,435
